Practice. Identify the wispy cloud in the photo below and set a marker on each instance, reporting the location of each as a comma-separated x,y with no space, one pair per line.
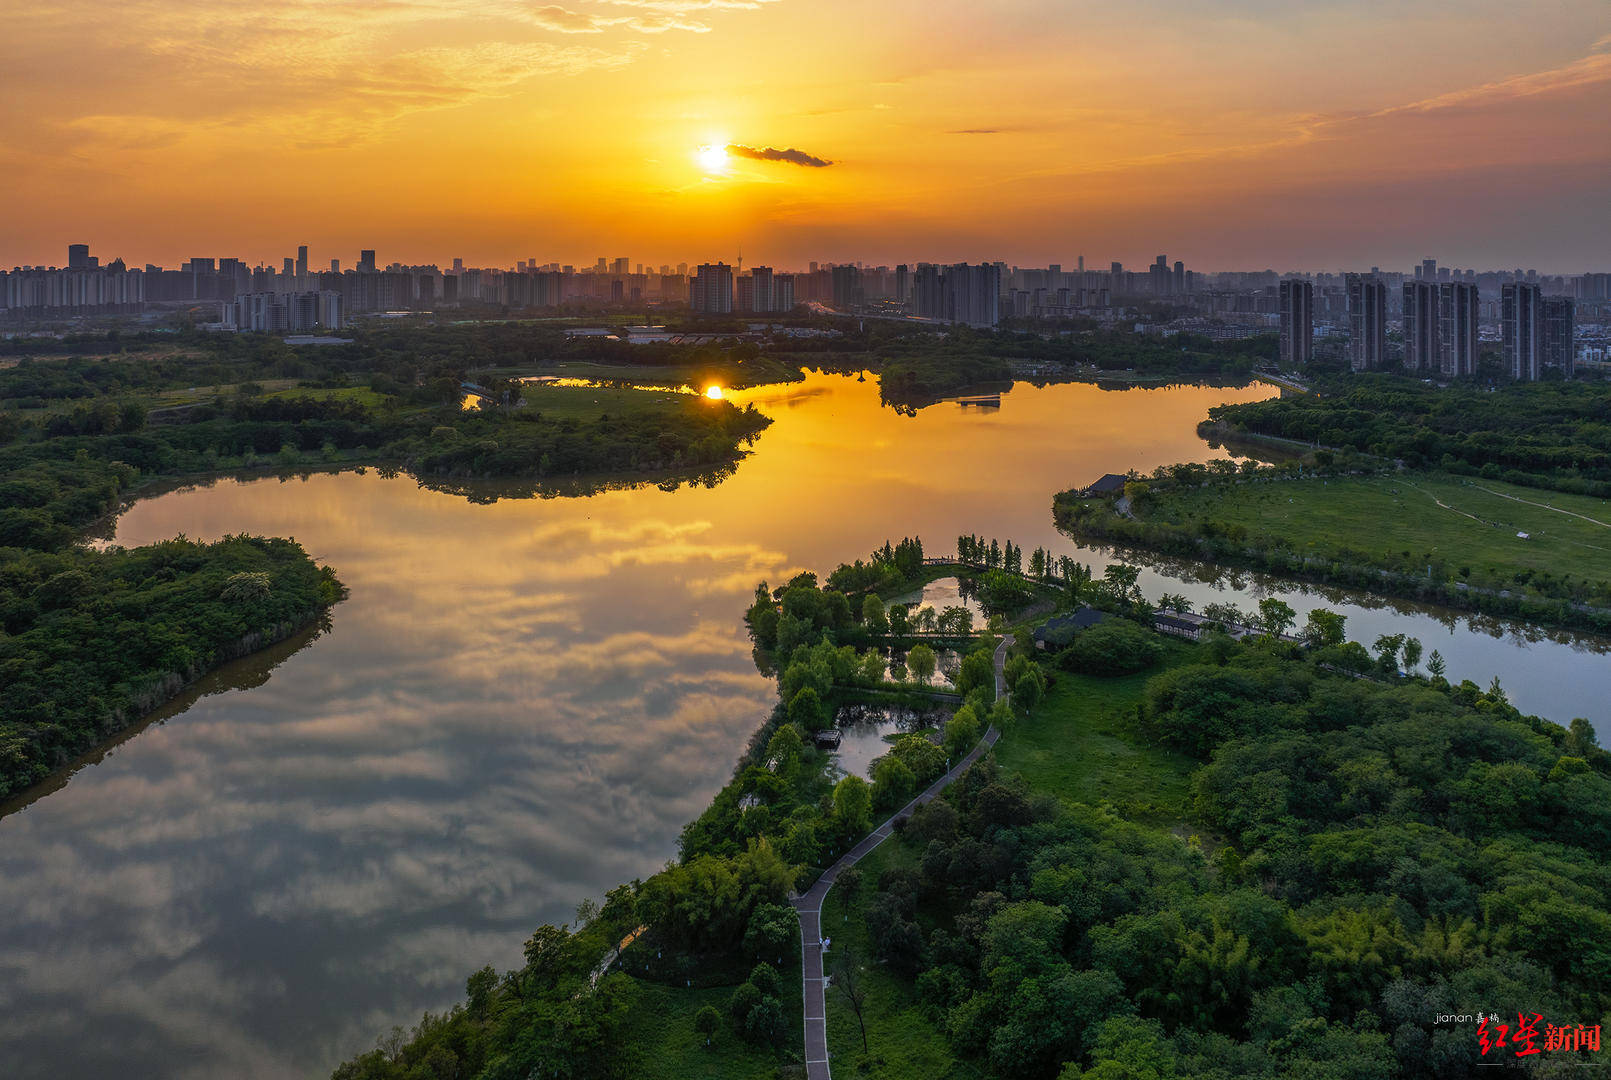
564,21
791,155
685,6
1585,71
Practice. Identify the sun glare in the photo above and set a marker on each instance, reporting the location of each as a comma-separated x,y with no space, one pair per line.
713,158
713,392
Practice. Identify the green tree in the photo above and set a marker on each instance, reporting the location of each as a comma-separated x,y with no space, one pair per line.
873,615
853,804
1276,616
707,1021
1412,654
1323,628
921,661
978,670
1386,649
1026,692
783,750
806,710
764,1025
961,733
893,783
771,932
1120,581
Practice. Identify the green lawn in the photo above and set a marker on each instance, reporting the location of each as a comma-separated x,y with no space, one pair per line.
1465,523
1080,744
672,1050
361,395
589,403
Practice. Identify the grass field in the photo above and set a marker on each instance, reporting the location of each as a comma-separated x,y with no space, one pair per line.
674,1050
1081,745
589,402
1467,523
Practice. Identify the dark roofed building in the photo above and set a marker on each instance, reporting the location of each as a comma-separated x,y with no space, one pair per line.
1058,632
1174,624
1111,484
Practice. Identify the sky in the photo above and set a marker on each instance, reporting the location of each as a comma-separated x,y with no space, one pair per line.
1243,134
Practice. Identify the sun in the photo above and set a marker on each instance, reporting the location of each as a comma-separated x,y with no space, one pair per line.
712,158
713,392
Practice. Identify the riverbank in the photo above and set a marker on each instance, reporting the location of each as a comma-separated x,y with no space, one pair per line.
1471,545
99,639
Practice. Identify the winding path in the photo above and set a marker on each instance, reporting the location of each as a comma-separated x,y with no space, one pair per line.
809,905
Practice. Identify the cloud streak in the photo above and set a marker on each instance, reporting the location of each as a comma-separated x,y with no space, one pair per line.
768,153
564,21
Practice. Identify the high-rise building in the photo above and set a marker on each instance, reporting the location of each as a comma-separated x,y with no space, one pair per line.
1440,326
335,266
711,291
903,284
1178,284
78,257
1457,328
783,292
958,293
847,293
1158,276
1420,324
1297,322
973,294
621,268
302,261
928,298
764,296
1538,331
1367,322
1560,334
366,261
1521,330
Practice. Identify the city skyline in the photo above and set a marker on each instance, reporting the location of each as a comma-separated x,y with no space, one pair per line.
309,260
1254,135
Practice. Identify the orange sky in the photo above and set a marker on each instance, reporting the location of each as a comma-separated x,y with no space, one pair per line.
1239,134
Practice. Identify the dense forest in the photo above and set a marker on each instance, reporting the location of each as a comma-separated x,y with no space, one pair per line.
94,639
1366,854
1372,855
1544,434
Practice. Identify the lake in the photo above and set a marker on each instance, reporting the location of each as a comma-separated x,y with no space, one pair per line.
518,707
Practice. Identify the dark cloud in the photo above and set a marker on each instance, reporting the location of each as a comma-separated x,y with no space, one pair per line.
797,157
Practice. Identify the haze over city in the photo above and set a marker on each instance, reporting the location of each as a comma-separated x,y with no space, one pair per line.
1239,135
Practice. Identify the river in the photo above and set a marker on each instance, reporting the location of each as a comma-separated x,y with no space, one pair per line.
518,707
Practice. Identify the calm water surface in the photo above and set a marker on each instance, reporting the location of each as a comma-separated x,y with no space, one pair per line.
519,706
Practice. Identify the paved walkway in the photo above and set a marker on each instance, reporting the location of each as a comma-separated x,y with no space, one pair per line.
809,905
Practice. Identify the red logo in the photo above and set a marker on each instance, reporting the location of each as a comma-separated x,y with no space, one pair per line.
1523,1038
